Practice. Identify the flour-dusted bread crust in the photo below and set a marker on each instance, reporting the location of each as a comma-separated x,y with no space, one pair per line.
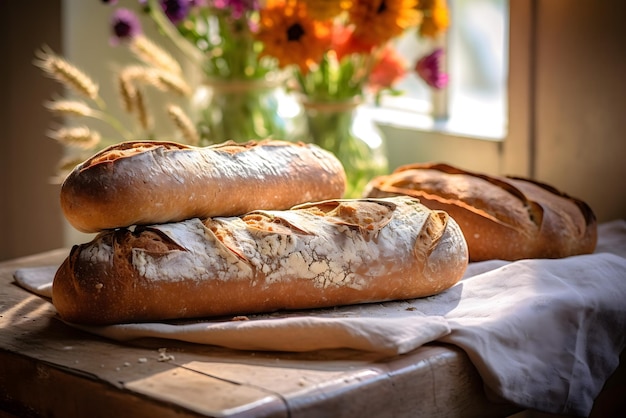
323,254
155,182
501,217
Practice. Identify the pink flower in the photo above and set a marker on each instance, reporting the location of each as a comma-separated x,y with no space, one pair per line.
429,69
238,8
176,10
124,25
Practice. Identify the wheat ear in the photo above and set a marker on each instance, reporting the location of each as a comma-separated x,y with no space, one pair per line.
184,124
156,77
80,137
152,54
69,108
67,74
67,164
132,98
171,82
139,105
127,90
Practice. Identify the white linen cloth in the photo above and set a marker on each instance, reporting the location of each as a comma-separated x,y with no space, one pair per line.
543,334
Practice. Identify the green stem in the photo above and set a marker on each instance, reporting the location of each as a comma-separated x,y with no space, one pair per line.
114,123
102,115
172,33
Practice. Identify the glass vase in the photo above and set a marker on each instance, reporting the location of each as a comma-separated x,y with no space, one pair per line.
243,110
344,129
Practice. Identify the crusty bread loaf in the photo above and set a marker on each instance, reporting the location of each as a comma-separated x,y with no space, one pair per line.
154,182
316,255
501,217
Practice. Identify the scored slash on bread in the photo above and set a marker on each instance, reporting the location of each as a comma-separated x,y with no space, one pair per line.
506,218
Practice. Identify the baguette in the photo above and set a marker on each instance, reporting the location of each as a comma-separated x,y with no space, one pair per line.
507,218
156,182
315,255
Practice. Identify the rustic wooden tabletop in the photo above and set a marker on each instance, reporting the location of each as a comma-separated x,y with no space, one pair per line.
50,369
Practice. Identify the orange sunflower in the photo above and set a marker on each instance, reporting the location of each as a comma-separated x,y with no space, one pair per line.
436,17
377,21
291,36
326,9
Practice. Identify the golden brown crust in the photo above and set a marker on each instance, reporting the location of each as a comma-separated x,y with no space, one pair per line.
316,255
154,182
501,217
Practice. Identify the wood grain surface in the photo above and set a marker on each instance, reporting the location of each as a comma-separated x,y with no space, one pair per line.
50,369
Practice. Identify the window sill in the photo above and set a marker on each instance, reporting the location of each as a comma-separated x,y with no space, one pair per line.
479,124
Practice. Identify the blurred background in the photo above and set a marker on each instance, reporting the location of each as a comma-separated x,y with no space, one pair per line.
537,89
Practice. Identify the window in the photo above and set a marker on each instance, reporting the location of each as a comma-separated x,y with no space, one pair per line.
474,103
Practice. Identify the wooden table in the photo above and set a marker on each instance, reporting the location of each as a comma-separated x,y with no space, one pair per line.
50,369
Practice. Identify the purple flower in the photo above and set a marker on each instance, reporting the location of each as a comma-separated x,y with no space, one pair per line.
237,7
176,10
429,69
124,25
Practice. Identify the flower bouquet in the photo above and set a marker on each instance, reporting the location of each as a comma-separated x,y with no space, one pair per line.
341,52
241,95
334,55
